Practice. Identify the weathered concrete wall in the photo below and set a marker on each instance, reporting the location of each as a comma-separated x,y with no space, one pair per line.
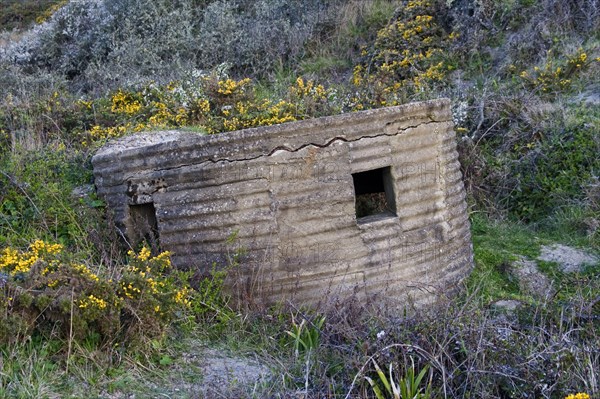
288,191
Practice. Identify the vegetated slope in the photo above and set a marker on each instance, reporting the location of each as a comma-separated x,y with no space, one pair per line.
21,14
523,77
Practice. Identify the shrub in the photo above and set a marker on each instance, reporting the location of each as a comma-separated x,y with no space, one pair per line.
553,79
103,45
555,170
406,58
255,35
18,14
44,293
214,103
74,36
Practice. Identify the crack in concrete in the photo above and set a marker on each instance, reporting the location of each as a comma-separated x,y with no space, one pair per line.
300,148
345,140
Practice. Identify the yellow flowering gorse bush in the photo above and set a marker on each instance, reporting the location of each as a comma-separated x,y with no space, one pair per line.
40,290
553,78
14,262
212,102
407,57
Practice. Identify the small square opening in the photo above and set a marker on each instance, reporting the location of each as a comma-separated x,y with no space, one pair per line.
144,226
374,194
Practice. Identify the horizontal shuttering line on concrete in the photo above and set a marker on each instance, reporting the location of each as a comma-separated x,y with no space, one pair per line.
425,211
417,192
267,265
345,281
335,231
377,150
322,217
194,233
417,270
365,281
393,150
413,260
224,220
251,143
206,171
418,221
421,162
177,196
399,261
458,219
204,212
454,200
203,200
202,237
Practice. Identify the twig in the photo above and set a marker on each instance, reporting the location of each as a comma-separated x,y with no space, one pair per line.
54,122
70,333
487,131
307,373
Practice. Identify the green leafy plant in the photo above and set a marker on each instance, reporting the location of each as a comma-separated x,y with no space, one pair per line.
306,335
408,387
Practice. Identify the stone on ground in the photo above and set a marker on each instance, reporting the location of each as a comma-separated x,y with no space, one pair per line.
531,279
569,259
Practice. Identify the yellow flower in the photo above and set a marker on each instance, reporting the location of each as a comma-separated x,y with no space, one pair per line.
229,86
579,395
181,297
144,254
8,258
204,106
92,301
85,272
124,103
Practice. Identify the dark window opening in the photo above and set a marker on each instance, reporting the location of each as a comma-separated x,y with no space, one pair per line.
374,194
144,226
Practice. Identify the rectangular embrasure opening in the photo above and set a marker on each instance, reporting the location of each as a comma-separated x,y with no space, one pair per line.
374,195
144,225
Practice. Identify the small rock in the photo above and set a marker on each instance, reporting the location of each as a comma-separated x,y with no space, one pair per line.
223,372
531,280
508,305
503,315
82,191
569,259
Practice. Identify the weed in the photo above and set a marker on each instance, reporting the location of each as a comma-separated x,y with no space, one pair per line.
407,387
306,335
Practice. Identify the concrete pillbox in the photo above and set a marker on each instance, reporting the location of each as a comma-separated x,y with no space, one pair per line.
368,204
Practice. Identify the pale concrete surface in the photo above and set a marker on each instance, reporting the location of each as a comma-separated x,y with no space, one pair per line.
288,192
